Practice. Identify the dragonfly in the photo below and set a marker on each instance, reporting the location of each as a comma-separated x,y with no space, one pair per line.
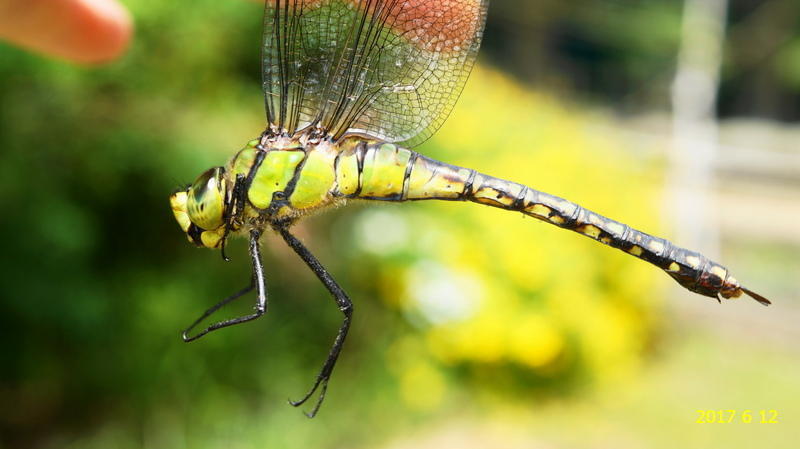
350,87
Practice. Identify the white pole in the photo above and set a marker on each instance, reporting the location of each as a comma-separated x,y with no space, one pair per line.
695,149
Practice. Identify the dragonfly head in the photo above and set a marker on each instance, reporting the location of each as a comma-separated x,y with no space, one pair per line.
200,208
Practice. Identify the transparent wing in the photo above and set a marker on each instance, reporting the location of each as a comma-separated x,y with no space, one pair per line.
392,69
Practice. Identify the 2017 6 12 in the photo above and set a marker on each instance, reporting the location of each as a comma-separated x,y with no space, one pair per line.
728,416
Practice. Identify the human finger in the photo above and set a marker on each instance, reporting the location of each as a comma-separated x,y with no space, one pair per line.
84,31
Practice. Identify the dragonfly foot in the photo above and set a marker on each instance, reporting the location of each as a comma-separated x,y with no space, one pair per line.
321,382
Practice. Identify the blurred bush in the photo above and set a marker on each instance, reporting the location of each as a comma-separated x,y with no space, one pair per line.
622,53
457,305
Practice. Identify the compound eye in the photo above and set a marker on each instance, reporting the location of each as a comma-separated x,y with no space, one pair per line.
206,202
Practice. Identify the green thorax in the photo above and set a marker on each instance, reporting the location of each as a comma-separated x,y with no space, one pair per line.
289,177
284,178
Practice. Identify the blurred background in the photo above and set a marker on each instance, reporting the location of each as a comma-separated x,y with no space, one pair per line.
473,327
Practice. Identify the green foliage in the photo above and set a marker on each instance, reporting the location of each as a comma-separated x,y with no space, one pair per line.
788,65
621,53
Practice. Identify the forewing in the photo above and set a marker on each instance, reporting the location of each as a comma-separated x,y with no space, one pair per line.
392,69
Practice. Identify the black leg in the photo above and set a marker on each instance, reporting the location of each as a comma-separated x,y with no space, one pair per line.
345,305
257,282
235,205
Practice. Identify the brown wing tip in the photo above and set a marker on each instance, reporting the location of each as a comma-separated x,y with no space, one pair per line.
757,297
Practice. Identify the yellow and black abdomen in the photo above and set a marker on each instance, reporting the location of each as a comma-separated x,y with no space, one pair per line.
692,270
381,171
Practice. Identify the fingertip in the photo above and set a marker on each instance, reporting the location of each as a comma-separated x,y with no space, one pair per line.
82,31
104,33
